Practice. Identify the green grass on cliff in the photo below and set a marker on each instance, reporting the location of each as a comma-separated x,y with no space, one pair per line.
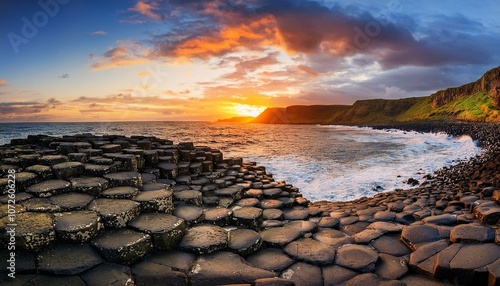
476,107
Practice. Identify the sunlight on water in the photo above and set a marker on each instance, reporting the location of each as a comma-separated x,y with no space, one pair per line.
324,162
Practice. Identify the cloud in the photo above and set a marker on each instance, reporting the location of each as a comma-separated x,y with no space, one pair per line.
98,33
9,109
3,82
125,54
64,76
146,9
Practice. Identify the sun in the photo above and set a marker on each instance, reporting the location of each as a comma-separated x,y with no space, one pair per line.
248,110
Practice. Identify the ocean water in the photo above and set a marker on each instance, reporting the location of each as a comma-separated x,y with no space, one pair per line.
325,162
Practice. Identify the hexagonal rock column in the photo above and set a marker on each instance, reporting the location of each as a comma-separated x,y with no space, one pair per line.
204,239
107,274
248,217
123,245
124,192
166,230
244,241
235,192
357,257
71,201
118,179
156,201
68,169
150,273
280,236
67,259
49,188
222,268
189,197
24,180
311,251
218,216
168,170
34,231
115,213
79,226
472,233
89,185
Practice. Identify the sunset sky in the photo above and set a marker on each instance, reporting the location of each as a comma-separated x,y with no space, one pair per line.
75,60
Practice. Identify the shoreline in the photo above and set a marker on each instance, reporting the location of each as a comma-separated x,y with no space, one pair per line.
242,218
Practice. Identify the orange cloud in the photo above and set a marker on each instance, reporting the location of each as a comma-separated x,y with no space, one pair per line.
3,82
146,10
124,55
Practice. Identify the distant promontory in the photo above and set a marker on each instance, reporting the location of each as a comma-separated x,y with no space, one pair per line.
478,101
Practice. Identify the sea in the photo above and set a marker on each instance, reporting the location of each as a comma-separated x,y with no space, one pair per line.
326,162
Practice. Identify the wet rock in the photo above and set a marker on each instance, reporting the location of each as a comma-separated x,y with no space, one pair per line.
191,214
329,222
218,216
248,202
391,267
472,233
177,260
384,216
426,251
367,235
272,214
333,237
156,201
107,274
49,188
203,239
303,274
77,227
272,193
248,217
442,268
494,273
68,169
123,245
118,179
165,230
89,185
149,273
395,207
415,235
244,241
235,192
272,259
168,170
311,251
71,201
271,204
470,260
98,170
189,197
24,180
273,282
115,213
298,213
40,205
51,160
222,268
111,148
357,257
488,214
125,192
279,236
42,171
390,245
444,219
34,231
336,275
67,259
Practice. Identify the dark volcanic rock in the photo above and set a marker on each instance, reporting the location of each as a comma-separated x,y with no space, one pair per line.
222,268
248,217
311,251
115,213
125,192
336,275
244,241
67,259
68,169
204,239
123,245
191,214
90,185
71,201
149,273
166,230
49,188
303,274
107,274
77,227
279,236
156,201
272,259
391,267
472,233
34,231
357,257
416,234
117,179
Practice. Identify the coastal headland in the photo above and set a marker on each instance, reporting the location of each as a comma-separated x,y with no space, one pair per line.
116,210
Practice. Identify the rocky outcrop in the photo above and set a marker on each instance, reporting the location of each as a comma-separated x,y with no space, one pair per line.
489,83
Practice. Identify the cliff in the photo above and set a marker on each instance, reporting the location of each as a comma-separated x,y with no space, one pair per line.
476,101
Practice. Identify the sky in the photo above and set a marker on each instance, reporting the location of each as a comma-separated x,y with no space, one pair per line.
160,60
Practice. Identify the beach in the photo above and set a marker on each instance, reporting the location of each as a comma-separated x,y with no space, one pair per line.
101,209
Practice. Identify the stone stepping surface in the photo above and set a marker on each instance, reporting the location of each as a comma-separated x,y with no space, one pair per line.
123,245
67,259
144,210
115,213
49,188
165,230
77,227
204,239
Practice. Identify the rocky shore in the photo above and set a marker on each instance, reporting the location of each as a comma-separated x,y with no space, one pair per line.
116,210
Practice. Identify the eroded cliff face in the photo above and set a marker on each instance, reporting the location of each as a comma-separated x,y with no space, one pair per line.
489,83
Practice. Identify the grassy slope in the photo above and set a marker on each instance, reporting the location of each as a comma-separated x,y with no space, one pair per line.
476,107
